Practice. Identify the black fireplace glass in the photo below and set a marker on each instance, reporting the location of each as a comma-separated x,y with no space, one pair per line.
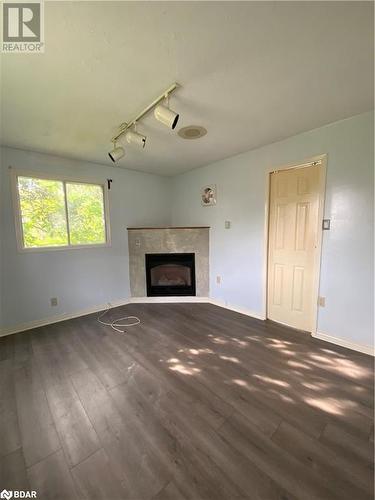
170,274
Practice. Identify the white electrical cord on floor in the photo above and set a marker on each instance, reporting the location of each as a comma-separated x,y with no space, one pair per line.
115,324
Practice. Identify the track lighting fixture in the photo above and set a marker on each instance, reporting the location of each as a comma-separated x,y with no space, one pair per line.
166,116
161,112
116,154
133,137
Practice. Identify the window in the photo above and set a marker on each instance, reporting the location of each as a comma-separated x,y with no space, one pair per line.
53,213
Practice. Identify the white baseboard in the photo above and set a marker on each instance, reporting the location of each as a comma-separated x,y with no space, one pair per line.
366,349
215,302
164,300
241,310
58,317
132,300
83,312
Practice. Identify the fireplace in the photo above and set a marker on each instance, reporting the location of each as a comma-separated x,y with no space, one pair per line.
170,274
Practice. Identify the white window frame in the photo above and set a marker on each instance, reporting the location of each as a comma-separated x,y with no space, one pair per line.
15,173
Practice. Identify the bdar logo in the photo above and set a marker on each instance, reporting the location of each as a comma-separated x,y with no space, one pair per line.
6,494
17,494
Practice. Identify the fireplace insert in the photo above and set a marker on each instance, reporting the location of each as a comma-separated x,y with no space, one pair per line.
170,274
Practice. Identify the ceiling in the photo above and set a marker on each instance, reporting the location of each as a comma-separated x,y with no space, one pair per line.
251,73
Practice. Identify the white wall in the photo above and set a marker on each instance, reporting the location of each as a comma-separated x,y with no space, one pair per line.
84,279
81,279
238,254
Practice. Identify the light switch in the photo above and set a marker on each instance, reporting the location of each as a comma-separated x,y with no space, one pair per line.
227,224
326,224
138,243
322,301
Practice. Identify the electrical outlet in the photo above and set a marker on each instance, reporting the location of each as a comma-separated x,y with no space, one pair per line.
218,280
322,301
53,301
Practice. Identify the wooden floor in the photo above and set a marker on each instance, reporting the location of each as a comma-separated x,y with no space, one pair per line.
195,403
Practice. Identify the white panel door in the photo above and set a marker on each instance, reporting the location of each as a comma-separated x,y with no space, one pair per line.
292,242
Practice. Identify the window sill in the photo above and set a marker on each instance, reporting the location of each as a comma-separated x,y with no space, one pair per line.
67,247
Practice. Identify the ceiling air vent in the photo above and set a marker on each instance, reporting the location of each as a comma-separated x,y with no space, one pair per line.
192,132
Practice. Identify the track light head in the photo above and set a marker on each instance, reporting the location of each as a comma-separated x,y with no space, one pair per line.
133,137
116,154
166,116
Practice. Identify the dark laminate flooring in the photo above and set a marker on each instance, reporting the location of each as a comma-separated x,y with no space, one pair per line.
197,402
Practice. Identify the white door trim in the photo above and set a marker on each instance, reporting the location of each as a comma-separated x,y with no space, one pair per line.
318,254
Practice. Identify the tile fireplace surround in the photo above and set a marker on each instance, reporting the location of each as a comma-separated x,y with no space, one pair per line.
144,240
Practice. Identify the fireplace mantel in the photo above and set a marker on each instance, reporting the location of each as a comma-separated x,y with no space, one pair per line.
168,239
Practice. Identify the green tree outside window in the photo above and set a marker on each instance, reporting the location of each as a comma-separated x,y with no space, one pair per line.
58,213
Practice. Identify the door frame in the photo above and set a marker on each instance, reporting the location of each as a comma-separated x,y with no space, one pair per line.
322,159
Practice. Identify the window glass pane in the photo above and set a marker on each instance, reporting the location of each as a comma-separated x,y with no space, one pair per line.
86,214
42,212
